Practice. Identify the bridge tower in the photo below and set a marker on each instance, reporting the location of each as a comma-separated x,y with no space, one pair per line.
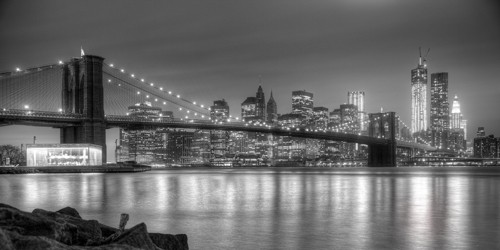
82,93
383,125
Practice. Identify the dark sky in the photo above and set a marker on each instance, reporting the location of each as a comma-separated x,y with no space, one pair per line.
208,50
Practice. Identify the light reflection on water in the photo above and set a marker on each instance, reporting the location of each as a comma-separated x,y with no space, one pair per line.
284,209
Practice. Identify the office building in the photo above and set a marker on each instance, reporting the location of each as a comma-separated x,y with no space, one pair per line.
358,98
419,97
272,110
440,110
302,103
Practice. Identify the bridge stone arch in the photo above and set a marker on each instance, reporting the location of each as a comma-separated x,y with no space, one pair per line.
383,125
82,93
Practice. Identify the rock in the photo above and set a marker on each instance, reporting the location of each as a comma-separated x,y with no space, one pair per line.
107,230
169,241
136,236
31,224
70,211
8,206
5,242
86,230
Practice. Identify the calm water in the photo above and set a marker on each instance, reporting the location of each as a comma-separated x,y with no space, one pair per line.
285,208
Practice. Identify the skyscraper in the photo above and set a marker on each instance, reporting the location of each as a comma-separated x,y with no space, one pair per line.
272,110
440,110
219,111
358,98
302,103
456,114
249,109
419,97
260,105
219,139
146,145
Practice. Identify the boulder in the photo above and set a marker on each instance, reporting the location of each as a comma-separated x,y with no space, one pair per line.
5,242
169,241
70,211
31,224
85,229
136,236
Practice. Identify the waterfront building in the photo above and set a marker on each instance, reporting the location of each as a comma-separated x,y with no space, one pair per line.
320,118
302,103
249,109
487,147
456,141
179,147
260,109
358,98
148,145
219,139
272,110
200,147
419,97
440,110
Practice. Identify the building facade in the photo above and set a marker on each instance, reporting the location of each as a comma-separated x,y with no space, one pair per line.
440,110
358,98
419,97
302,103
272,110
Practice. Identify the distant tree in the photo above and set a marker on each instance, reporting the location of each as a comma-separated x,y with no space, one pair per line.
14,153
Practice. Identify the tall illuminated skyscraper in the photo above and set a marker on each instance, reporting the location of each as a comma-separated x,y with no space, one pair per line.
419,96
358,98
456,115
440,110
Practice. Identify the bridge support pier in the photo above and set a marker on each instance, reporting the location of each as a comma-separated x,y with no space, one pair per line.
382,155
82,93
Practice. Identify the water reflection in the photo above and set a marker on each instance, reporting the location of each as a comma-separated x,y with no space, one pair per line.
281,209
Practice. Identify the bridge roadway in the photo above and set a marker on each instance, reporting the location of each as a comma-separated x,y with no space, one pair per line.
57,120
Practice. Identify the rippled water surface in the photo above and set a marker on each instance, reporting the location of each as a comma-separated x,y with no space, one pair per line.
284,208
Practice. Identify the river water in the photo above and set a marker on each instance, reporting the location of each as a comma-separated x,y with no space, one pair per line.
293,208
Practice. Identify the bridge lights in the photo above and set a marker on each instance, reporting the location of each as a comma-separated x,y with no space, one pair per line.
18,69
161,88
122,70
111,65
109,80
127,113
60,110
169,92
178,96
194,103
138,92
147,96
202,105
26,106
132,75
202,116
60,62
164,103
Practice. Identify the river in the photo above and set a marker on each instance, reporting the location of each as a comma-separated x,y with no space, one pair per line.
292,208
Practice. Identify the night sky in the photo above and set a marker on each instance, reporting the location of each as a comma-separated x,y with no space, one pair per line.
208,50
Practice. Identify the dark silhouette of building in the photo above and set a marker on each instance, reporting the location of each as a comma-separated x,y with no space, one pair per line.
487,147
272,110
260,109
249,109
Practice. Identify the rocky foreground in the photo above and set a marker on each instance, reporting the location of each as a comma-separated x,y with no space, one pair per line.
65,229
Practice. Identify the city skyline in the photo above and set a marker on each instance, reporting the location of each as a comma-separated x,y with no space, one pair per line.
327,65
